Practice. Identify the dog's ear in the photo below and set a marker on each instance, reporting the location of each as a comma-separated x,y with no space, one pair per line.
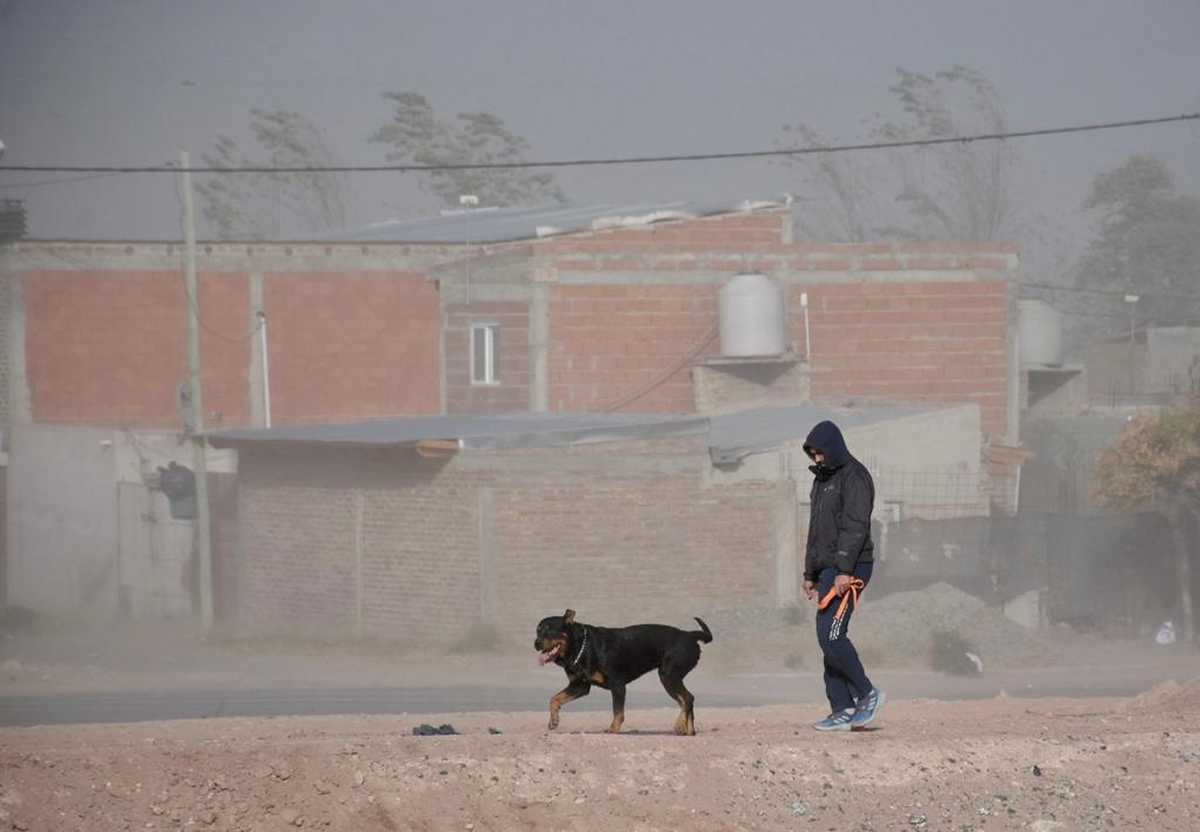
569,617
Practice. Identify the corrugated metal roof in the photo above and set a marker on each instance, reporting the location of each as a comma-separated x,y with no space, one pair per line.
734,436
511,430
502,225
731,436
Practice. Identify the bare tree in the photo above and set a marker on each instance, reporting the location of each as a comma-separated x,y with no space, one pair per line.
954,191
839,197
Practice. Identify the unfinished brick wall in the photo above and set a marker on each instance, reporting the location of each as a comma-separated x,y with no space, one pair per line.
912,342
347,346
907,323
629,549
628,347
344,542
511,393
673,245
619,531
110,347
630,309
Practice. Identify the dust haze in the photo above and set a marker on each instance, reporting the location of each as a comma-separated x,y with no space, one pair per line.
298,454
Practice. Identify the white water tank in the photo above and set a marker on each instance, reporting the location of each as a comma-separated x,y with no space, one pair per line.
1040,328
750,307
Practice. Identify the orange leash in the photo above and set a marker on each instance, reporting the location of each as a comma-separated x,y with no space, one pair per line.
856,586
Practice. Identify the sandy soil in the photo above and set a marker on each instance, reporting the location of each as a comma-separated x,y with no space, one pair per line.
1001,763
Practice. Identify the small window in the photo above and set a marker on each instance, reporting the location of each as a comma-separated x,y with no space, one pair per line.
485,353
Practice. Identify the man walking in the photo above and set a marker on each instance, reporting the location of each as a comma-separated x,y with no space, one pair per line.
837,566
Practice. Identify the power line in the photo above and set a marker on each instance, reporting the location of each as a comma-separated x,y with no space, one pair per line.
663,378
65,181
628,160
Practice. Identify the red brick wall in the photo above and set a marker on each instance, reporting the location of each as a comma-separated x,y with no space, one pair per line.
883,338
512,393
610,343
619,546
110,348
910,342
713,245
347,346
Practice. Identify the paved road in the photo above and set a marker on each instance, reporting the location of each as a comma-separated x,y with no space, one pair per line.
745,690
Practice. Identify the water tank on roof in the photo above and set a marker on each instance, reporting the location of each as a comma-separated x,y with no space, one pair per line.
1040,329
751,317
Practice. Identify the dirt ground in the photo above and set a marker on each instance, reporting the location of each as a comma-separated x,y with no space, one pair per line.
1000,763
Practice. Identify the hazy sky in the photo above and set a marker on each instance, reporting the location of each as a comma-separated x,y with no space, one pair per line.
102,82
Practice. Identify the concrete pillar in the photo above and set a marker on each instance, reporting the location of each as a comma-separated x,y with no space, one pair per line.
360,506
444,322
539,345
784,521
20,409
488,595
258,416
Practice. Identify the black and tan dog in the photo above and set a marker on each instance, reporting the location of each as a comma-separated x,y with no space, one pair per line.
613,657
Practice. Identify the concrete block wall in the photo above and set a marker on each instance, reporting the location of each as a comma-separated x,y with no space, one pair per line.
624,549
391,545
367,543
722,386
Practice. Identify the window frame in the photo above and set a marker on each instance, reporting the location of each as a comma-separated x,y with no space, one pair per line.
490,331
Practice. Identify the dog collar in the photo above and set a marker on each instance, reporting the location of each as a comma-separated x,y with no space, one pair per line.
582,647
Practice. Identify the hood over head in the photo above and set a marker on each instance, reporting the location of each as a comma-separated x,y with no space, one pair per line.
827,438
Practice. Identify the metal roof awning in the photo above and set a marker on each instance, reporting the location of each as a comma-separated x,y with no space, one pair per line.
485,432
730,436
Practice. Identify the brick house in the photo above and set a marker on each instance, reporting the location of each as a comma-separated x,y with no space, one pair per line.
611,309
420,528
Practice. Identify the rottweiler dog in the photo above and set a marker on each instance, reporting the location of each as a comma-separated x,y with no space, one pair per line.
613,657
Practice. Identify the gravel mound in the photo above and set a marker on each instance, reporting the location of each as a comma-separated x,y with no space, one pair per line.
900,629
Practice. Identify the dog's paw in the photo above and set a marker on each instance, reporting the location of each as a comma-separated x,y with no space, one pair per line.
552,724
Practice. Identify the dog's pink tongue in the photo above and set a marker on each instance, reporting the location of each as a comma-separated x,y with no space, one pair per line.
546,656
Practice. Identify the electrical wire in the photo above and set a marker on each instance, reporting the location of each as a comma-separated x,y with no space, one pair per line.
43,183
628,160
666,376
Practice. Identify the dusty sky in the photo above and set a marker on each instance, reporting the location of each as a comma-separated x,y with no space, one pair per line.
103,82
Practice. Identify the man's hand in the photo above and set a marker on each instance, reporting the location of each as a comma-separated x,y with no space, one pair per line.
842,584
810,589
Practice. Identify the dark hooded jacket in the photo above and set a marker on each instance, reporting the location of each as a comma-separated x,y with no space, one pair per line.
843,496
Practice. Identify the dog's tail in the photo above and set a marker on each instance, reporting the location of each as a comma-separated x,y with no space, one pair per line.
703,634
